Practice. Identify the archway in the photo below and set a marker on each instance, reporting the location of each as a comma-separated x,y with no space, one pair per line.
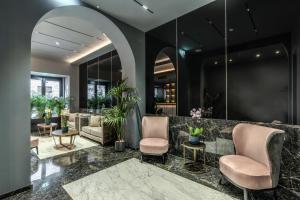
104,24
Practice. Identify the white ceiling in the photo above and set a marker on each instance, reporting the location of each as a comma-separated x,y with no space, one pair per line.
133,14
77,37
65,38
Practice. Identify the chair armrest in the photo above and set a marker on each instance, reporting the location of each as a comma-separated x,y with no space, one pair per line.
82,121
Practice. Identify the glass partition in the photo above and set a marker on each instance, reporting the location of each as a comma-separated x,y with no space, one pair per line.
102,73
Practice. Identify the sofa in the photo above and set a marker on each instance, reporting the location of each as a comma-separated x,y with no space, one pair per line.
93,127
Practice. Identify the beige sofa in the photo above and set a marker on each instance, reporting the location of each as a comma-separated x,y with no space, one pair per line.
100,133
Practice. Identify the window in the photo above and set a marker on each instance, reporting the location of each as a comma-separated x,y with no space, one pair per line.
47,86
36,87
52,88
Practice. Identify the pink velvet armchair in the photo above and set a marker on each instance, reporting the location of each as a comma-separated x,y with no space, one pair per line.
155,133
256,165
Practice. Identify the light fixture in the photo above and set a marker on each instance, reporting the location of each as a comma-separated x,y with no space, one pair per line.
89,51
198,50
231,29
277,52
257,55
57,43
216,62
143,6
230,60
164,71
98,6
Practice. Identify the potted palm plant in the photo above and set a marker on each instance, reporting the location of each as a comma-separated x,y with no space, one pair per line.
115,117
39,103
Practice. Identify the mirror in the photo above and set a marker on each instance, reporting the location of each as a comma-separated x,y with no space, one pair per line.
165,83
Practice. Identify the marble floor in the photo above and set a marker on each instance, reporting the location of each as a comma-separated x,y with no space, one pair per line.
51,174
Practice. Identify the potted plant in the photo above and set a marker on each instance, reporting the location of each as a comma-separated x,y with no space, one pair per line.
48,116
195,134
39,103
115,117
64,124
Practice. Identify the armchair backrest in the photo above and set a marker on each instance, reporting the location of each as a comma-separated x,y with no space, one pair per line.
155,127
260,143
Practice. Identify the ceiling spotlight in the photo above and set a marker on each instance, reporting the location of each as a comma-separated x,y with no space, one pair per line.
230,60
231,29
277,52
98,6
216,62
257,55
57,43
198,50
145,7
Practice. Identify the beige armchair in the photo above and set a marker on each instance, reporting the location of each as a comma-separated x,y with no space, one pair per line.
256,165
155,133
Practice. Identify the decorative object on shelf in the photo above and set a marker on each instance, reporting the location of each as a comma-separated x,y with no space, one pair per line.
64,124
195,134
115,117
48,116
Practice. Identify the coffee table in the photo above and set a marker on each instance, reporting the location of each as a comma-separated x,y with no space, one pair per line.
46,127
72,133
195,148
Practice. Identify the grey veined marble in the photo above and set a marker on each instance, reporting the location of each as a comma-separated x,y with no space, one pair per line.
133,180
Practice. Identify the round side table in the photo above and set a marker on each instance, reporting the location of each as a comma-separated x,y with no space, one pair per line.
46,127
195,148
71,133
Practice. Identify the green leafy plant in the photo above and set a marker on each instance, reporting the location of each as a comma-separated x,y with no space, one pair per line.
64,121
60,104
39,103
96,102
127,99
196,132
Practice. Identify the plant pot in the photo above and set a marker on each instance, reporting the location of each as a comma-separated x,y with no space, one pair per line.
47,121
194,140
65,129
120,146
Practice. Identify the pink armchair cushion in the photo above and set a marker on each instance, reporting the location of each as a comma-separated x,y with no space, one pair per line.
155,127
251,141
246,172
154,146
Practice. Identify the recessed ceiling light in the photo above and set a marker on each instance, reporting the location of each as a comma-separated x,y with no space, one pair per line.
216,62
277,52
257,55
231,29
230,60
144,6
57,43
98,6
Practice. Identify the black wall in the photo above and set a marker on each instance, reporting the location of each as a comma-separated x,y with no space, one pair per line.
260,87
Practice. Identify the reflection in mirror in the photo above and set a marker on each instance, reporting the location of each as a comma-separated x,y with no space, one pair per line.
165,84
102,73
260,35
202,76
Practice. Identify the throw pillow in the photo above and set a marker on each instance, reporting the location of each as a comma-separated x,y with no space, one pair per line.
95,121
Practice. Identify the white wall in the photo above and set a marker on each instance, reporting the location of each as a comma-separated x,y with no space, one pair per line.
44,65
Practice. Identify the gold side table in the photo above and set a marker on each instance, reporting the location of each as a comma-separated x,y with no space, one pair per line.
195,148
